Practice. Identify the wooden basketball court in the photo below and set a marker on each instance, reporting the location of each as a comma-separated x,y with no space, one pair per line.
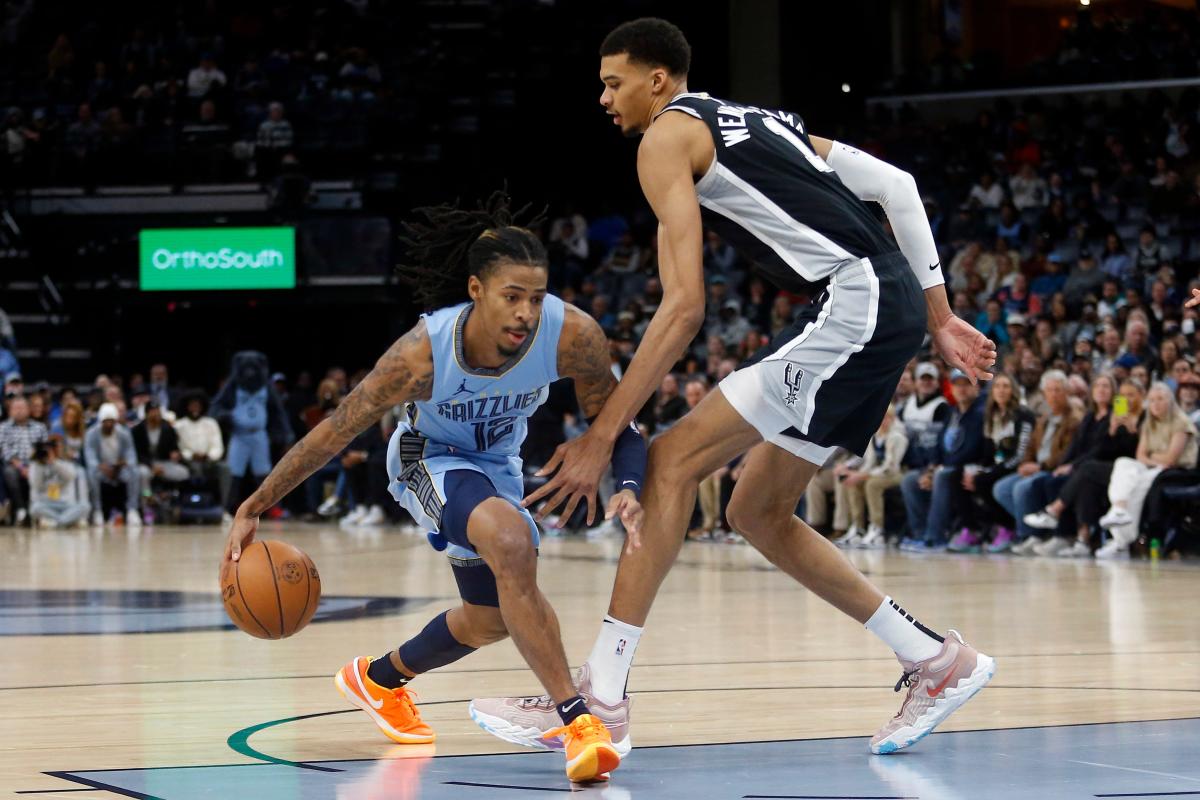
119,669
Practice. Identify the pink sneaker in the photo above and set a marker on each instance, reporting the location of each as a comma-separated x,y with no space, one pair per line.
964,542
936,689
525,720
1003,541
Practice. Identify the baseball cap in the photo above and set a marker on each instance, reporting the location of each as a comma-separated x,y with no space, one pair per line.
108,411
13,377
277,377
1016,319
958,374
926,368
717,279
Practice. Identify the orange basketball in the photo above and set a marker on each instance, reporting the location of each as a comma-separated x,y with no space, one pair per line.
272,591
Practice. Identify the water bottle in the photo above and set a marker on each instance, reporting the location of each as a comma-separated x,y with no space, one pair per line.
1155,549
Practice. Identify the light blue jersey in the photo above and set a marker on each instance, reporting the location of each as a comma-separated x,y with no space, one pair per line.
475,419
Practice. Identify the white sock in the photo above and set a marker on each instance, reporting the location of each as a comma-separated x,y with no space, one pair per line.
911,640
611,658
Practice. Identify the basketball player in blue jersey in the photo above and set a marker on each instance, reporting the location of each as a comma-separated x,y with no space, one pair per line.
794,203
471,374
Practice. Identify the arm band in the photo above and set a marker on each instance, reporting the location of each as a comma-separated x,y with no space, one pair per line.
629,460
895,190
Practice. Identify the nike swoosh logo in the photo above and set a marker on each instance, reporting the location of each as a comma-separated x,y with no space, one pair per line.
375,704
934,692
567,710
935,266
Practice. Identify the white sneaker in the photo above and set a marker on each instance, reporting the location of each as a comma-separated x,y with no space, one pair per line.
98,519
1112,549
329,507
1027,547
22,515
850,538
1077,549
1042,520
133,519
873,539
1051,547
373,516
82,522
355,516
1115,518
44,522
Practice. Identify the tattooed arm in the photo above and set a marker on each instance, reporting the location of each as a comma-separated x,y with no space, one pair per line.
583,357
403,373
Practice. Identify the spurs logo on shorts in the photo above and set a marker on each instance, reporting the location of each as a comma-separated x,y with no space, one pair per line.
792,375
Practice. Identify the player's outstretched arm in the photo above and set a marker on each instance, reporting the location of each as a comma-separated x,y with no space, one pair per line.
665,171
894,189
583,356
403,373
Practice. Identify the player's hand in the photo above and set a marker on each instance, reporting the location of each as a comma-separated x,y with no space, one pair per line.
1195,299
965,348
577,466
624,504
240,537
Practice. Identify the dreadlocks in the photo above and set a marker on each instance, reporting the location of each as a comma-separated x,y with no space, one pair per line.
447,244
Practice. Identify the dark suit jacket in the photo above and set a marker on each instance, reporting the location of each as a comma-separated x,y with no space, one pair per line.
167,443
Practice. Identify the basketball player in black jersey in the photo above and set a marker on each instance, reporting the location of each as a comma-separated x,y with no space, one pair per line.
795,204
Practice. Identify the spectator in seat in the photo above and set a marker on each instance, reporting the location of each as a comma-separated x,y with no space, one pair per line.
1100,439
365,467
881,469
275,137
206,79
19,436
1028,188
201,447
1167,441
1033,485
112,459
71,429
932,495
1149,256
669,406
986,193
160,389
1084,280
54,490
1007,427
158,448
1189,395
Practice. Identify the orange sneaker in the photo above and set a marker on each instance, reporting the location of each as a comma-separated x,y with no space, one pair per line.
392,709
589,749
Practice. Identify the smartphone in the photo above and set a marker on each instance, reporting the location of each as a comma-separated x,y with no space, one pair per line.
1120,405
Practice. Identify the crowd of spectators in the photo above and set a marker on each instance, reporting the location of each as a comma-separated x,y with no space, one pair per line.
190,92
1097,46
138,451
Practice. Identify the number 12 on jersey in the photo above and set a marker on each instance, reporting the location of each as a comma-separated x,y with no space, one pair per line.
489,432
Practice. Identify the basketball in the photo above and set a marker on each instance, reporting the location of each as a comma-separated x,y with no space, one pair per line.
272,591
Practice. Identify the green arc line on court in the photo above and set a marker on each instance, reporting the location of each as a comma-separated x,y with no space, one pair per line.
239,741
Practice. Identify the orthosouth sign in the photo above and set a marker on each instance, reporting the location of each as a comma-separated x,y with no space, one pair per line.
217,258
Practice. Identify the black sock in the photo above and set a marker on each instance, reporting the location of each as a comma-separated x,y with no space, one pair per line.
383,672
571,708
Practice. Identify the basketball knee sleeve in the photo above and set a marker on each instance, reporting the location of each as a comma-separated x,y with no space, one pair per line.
433,647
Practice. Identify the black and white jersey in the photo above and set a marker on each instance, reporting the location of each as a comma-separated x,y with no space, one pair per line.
770,195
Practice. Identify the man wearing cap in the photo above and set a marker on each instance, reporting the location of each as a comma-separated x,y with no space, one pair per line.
1016,329
933,495
19,436
925,415
733,327
112,459
158,448
160,387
